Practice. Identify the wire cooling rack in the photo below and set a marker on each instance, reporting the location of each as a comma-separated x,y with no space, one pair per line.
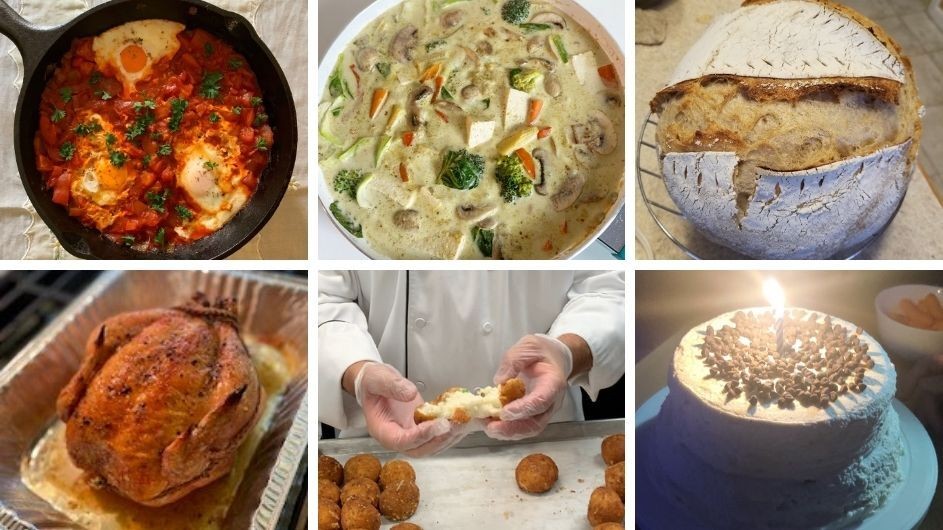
676,227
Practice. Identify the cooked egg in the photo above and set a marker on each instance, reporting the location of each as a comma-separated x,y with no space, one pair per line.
131,49
212,183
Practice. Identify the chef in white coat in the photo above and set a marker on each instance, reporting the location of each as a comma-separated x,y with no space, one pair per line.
389,340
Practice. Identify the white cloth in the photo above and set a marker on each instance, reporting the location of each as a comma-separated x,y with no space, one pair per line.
456,325
282,24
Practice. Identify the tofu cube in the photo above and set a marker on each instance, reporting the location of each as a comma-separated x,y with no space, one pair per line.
515,108
479,132
584,65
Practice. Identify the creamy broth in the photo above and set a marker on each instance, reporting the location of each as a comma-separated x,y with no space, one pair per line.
50,473
403,208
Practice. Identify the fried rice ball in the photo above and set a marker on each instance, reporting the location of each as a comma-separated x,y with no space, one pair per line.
358,514
362,466
609,526
613,449
330,469
399,500
406,526
615,479
363,488
605,507
395,471
329,515
536,473
328,491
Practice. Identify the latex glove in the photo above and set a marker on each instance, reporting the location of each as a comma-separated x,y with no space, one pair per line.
921,388
544,363
388,400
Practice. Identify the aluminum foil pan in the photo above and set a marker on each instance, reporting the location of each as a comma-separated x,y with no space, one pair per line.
270,306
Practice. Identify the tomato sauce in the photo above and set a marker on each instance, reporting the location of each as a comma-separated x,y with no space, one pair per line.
135,145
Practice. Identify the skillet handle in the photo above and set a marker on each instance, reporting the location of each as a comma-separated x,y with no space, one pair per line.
32,41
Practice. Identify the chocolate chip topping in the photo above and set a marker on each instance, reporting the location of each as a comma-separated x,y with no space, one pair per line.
820,360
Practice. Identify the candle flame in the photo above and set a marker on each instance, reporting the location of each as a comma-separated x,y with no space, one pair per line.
775,296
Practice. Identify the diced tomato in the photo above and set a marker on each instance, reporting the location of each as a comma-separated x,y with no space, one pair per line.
43,163
168,176
248,116
48,130
61,192
247,136
150,218
190,61
267,135
131,225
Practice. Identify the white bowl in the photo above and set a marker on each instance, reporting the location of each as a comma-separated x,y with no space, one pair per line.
607,44
900,339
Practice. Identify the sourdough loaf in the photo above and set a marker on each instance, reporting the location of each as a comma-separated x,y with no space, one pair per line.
789,130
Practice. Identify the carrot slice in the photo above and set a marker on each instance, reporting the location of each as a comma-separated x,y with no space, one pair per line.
564,228
607,73
443,116
545,132
408,138
533,110
431,72
528,162
548,246
439,81
379,98
403,174
356,76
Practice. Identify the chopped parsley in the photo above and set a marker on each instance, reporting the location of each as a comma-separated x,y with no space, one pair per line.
66,94
157,200
444,92
334,112
210,165
237,111
160,237
261,145
235,64
214,118
57,115
177,107
103,94
140,125
261,118
127,240
67,150
117,158
208,49
110,139
95,78
146,104
256,101
209,86
183,212
434,44
85,129
384,69
146,161
164,150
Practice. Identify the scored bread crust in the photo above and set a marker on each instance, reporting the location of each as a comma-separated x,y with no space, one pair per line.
508,391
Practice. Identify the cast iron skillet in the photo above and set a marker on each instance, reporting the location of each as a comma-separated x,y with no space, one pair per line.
43,48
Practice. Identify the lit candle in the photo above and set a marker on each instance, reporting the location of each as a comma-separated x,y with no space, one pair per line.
777,299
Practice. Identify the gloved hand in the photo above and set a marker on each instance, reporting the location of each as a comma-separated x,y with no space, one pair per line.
388,400
920,387
544,363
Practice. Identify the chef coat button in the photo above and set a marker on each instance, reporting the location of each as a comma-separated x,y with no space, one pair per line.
420,323
420,385
487,327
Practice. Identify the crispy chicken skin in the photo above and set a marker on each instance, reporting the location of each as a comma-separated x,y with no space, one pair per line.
162,401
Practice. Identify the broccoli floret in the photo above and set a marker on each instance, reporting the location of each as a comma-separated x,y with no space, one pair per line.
349,224
347,180
462,170
515,11
524,80
514,180
484,240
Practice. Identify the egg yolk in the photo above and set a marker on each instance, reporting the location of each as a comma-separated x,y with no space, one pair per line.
133,58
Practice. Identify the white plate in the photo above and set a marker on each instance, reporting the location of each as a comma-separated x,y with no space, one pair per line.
904,510
607,44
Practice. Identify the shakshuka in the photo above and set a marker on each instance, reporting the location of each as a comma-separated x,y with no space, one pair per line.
153,134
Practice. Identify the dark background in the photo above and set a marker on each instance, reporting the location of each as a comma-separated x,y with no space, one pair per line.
668,302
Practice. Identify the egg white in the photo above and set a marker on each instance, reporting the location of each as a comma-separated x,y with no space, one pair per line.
158,39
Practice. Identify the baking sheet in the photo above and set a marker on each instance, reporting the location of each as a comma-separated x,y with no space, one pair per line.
270,306
472,486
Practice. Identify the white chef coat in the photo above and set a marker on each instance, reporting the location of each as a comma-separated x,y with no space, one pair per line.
451,328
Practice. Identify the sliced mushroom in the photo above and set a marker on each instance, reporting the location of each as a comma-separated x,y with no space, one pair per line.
568,192
552,85
613,99
471,92
598,133
450,19
549,18
472,56
543,157
403,44
471,212
488,223
447,106
406,219
535,45
367,58
548,65
421,93
484,47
